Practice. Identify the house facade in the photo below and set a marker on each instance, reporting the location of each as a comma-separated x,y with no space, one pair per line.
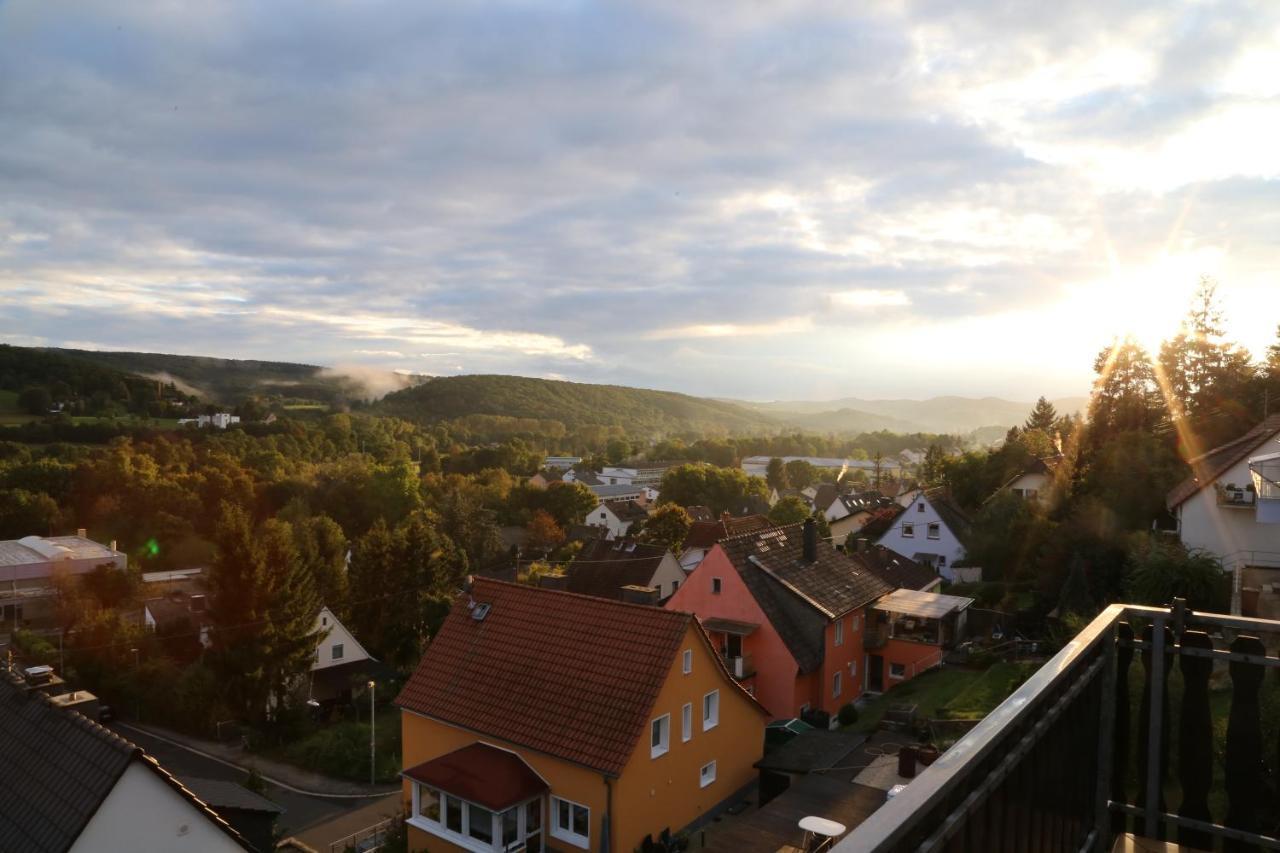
788,614
559,721
637,473
930,530
1218,509
340,663
615,517
848,513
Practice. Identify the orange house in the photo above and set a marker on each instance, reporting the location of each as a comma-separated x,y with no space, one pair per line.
545,719
789,613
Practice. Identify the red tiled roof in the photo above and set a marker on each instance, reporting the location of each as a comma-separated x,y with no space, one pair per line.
1208,467
704,534
568,675
479,773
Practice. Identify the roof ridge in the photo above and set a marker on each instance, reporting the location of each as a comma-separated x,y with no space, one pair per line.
593,599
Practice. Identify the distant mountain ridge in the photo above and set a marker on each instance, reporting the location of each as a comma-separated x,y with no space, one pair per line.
950,414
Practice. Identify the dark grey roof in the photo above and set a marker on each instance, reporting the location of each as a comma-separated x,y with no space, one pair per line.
220,794
811,751
894,569
56,769
604,567
798,596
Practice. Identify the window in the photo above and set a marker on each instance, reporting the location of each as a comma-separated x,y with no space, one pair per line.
897,670
480,824
324,621
337,651
571,822
804,709
837,687
711,710
935,531
660,736
428,803
687,661
853,669
474,827
839,630
602,515
707,774
675,585
908,530
853,622
920,507
942,561
686,722
715,586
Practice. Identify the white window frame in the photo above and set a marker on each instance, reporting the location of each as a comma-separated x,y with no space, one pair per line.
934,530
901,666
463,839
839,632
711,718
837,685
568,835
705,778
663,726
686,722
336,651
686,661
853,669
908,530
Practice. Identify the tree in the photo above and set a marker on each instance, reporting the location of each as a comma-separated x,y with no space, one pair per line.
1043,417
1160,570
542,532
617,450
568,503
721,489
1200,370
322,547
35,400
789,510
1125,394
776,474
668,527
933,469
24,513
800,473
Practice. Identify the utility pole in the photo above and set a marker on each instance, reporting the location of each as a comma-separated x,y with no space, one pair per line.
137,687
372,729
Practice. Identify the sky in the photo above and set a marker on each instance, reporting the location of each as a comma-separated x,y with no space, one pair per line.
744,199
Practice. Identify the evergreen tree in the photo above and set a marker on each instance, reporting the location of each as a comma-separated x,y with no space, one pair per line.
776,474
934,467
1200,370
1125,394
322,547
372,569
1044,417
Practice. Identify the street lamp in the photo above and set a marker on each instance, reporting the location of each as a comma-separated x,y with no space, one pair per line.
137,687
372,725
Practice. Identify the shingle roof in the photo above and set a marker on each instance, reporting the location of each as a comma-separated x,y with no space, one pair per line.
479,773
56,769
603,567
627,510
798,596
895,569
881,521
704,534
1208,467
565,674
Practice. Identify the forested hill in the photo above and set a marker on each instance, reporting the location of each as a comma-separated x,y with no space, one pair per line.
573,404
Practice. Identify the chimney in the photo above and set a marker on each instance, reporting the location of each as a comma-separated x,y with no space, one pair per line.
82,533
113,545
861,543
810,540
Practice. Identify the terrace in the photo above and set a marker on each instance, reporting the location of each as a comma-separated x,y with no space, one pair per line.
1080,755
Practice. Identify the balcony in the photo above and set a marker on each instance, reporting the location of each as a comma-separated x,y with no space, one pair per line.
1066,763
1237,497
740,666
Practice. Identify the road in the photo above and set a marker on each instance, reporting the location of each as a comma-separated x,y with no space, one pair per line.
300,810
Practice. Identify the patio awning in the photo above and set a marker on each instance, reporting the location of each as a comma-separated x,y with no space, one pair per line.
922,605
729,626
485,775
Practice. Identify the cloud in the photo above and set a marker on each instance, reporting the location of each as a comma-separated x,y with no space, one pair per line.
585,189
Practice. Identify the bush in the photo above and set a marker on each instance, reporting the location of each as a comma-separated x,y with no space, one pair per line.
848,714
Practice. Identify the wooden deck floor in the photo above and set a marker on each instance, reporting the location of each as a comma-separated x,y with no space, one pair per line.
767,829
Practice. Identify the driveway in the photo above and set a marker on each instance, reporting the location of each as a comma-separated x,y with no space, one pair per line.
301,810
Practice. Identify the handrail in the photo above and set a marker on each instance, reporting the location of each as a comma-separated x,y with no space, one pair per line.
904,812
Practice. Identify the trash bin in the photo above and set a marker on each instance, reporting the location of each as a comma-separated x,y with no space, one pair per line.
907,762
927,754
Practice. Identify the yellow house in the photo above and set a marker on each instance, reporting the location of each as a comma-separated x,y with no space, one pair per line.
541,719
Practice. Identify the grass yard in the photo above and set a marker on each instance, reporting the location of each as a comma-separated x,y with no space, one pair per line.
930,692
989,690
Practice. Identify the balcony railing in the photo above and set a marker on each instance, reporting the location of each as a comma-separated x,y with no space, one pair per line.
1245,498
1049,768
740,666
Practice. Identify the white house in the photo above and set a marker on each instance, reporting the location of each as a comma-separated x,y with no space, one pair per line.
1033,482
758,466
335,645
1225,507
76,786
616,517
931,530
848,513
625,492
218,420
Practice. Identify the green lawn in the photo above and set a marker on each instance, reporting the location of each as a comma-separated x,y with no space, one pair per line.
983,694
929,692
